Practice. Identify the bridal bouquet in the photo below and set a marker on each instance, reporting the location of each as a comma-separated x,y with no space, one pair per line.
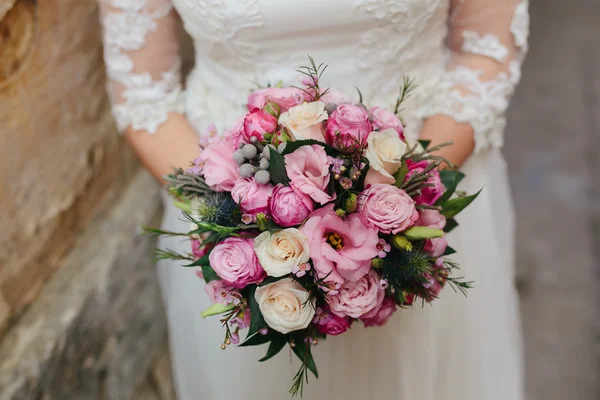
314,214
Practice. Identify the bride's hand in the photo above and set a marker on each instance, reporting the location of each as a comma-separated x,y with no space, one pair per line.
174,145
443,129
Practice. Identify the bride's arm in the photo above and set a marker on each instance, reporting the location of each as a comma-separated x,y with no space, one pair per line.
141,51
487,40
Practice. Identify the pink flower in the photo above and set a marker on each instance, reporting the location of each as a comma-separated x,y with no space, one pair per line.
236,263
257,123
357,299
387,308
435,247
352,123
199,249
289,207
429,195
387,208
220,292
285,98
433,287
308,170
252,197
340,249
331,324
384,119
220,171
335,96
235,135
383,248
431,219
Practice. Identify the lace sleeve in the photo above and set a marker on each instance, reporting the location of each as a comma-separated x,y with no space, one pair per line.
141,52
487,42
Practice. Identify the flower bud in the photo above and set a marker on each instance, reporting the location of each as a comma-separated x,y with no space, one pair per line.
351,203
400,242
249,151
262,177
272,108
262,222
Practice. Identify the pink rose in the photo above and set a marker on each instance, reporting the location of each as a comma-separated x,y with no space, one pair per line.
236,263
289,207
331,324
252,197
220,292
384,119
357,299
340,249
385,311
220,171
335,96
257,123
431,219
352,123
308,170
429,195
435,247
387,208
285,98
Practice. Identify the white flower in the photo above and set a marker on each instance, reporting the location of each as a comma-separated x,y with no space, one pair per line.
284,305
304,121
281,251
384,152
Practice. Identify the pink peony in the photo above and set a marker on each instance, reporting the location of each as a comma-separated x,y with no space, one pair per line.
308,170
435,247
257,123
289,207
384,119
252,197
429,195
340,249
220,292
357,299
331,324
352,125
285,98
385,311
387,208
220,171
236,263
431,219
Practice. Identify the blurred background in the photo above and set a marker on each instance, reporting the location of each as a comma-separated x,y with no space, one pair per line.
80,311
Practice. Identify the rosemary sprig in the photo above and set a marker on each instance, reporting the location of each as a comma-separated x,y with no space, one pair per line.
408,86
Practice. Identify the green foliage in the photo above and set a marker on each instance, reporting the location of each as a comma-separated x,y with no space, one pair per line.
217,309
290,147
276,345
424,143
450,225
405,269
277,167
303,352
405,90
454,206
422,232
400,175
200,262
209,274
257,322
449,251
450,179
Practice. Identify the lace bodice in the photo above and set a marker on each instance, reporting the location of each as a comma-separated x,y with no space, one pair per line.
465,55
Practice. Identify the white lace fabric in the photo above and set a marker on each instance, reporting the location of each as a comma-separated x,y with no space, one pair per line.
487,40
142,61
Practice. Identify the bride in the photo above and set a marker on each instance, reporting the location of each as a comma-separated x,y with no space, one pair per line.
465,56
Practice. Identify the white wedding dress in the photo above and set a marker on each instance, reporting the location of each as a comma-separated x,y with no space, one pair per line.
465,56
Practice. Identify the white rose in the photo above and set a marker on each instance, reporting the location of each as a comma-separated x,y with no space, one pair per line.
384,152
304,121
281,251
284,305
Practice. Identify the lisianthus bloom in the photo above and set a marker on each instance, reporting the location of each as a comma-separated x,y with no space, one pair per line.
220,171
289,207
340,249
384,119
252,197
387,208
235,262
348,126
429,195
361,298
308,170
384,312
435,247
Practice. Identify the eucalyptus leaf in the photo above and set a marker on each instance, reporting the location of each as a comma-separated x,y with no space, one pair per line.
453,206
450,179
217,309
276,345
277,167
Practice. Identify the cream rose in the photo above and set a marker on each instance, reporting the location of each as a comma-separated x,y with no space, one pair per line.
304,121
281,251
284,305
384,152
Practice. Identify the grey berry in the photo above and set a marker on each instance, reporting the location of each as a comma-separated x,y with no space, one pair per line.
253,139
262,177
330,108
247,170
249,151
241,145
264,164
238,157
266,153
281,148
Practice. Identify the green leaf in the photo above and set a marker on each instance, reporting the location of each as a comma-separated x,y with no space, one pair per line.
257,322
217,309
400,175
450,179
290,147
255,340
276,345
454,206
200,262
449,251
302,350
450,225
422,232
424,143
277,167
209,274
